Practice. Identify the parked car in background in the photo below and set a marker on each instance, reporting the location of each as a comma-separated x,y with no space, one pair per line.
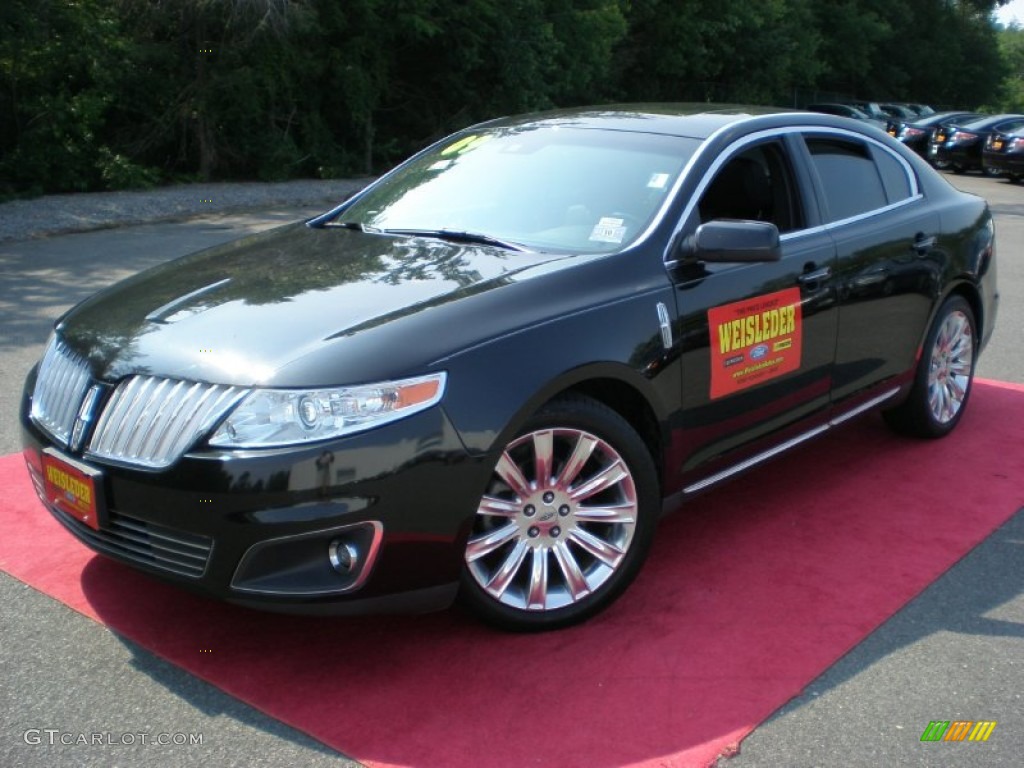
1004,154
923,110
871,108
491,370
898,111
960,144
916,133
845,110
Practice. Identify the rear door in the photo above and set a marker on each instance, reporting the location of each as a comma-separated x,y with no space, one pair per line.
888,268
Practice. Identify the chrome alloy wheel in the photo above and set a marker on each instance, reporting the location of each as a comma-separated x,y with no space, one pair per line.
556,521
951,366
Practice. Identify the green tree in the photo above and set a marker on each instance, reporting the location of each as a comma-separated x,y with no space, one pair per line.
59,65
1011,48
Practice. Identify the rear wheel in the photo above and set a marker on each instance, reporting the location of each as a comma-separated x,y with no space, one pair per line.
566,520
944,376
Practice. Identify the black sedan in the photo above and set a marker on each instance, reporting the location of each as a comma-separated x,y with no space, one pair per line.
960,144
917,133
846,110
489,373
1004,154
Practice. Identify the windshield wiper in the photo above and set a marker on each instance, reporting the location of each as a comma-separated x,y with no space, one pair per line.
354,225
457,237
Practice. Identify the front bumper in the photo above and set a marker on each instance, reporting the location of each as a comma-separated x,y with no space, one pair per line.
374,522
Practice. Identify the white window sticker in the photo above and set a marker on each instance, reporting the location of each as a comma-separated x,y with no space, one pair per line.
658,181
440,165
608,230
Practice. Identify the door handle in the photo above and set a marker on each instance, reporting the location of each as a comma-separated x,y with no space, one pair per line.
815,276
923,243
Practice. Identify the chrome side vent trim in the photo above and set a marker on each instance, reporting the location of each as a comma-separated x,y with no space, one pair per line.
61,383
151,421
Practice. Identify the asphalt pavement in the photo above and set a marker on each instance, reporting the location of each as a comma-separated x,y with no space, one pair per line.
955,652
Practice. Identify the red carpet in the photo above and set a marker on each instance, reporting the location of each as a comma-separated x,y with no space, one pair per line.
750,593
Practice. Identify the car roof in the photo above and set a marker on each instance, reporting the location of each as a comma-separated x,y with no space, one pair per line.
698,121
988,120
940,117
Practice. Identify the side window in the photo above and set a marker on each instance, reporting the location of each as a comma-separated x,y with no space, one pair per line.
894,176
757,184
849,177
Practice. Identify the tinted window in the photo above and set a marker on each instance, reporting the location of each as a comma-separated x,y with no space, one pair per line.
756,185
894,176
848,175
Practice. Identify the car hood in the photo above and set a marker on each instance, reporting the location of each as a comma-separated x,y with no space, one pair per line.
246,312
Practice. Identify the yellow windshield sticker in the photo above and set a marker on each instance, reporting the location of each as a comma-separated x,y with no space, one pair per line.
465,144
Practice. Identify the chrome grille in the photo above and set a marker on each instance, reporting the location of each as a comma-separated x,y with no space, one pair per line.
151,421
61,383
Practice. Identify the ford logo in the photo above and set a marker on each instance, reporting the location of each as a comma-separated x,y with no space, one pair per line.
759,351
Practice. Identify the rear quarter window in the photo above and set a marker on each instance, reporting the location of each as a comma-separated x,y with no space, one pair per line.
894,176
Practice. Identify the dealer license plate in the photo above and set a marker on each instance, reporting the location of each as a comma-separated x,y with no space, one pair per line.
74,488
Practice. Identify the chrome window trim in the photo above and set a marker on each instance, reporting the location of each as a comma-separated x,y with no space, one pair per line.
802,130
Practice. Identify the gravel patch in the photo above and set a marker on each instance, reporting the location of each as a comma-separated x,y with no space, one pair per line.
61,214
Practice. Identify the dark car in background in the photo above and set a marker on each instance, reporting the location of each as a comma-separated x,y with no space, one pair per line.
898,111
871,108
845,110
1004,154
916,133
490,371
960,144
922,110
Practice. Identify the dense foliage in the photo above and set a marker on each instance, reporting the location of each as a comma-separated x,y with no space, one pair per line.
119,93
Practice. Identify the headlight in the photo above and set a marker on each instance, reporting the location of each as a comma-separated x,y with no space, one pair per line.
274,417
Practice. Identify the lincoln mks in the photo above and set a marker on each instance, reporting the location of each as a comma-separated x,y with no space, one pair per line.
487,374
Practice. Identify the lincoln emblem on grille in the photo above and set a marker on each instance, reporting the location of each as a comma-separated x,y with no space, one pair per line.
86,415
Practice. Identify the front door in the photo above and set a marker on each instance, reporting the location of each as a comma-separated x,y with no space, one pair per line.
758,340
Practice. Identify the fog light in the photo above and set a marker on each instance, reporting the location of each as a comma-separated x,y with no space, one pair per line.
344,556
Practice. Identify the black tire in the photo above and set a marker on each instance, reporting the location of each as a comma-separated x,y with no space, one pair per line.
958,168
552,554
1016,178
945,373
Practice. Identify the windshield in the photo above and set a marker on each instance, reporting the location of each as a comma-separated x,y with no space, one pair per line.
546,188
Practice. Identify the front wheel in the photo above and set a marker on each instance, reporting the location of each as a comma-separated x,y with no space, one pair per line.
565,521
944,376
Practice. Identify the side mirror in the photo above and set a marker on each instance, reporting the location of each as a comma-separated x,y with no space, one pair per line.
733,240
